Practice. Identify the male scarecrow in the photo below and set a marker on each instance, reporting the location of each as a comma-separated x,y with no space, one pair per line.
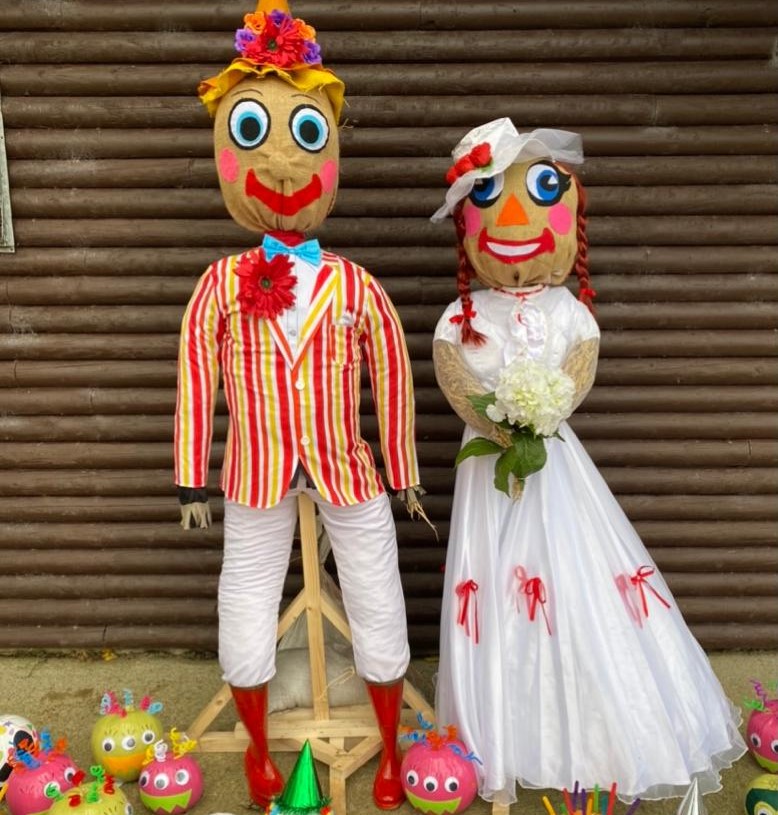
289,325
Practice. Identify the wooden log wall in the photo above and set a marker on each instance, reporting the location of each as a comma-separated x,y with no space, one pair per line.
116,212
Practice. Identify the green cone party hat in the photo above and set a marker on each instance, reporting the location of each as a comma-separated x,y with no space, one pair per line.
302,794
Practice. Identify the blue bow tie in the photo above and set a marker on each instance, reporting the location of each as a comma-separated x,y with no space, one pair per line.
310,251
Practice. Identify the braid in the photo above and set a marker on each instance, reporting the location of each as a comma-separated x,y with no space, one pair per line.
465,273
585,290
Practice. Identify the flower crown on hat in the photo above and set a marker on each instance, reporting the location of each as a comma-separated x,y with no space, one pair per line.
271,41
491,148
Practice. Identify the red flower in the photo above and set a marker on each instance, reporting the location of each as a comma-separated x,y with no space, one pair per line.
265,286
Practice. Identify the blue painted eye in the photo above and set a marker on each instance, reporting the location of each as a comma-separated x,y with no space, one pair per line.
309,128
545,184
486,190
249,124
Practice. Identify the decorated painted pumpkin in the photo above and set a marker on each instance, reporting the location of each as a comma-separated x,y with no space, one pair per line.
762,735
762,796
171,782
438,774
122,735
40,771
98,797
14,730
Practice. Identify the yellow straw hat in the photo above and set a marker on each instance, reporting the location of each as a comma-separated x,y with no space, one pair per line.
273,42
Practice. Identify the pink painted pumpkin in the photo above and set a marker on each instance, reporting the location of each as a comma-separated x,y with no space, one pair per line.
40,773
171,783
762,735
438,774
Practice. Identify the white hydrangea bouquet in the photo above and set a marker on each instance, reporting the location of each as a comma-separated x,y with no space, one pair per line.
530,402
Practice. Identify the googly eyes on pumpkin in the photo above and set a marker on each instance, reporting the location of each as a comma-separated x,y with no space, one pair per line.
486,190
430,783
546,184
182,776
144,779
755,740
128,810
128,742
309,128
69,774
451,784
108,745
774,745
412,778
148,736
249,124
161,782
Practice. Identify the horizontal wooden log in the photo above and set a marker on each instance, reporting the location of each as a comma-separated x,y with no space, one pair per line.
395,46
621,372
380,15
390,172
689,77
741,199
631,288
54,535
399,232
632,262
671,110
85,611
603,399
164,509
407,142
622,480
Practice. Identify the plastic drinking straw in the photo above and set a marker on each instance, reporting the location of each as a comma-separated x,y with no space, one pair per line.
568,802
589,805
633,806
547,805
611,799
596,806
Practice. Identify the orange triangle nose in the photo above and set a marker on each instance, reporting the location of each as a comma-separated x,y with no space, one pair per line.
512,213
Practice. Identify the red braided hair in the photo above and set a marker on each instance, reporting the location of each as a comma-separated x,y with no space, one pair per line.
581,267
465,273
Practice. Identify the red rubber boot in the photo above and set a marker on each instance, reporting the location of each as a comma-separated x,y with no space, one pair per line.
387,703
262,775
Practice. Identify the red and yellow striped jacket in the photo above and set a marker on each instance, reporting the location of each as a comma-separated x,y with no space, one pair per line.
287,407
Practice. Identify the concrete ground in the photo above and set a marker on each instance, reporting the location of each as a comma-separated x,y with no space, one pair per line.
63,691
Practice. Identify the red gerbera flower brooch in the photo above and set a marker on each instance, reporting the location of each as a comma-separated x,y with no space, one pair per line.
265,285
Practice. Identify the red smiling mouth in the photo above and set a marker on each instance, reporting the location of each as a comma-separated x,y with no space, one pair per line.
516,251
278,202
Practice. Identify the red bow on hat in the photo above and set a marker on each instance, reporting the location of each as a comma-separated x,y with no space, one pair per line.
479,156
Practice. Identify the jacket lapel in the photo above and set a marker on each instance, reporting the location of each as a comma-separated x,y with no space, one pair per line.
320,300
281,342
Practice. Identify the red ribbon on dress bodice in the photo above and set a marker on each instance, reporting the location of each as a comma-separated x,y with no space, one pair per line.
467,590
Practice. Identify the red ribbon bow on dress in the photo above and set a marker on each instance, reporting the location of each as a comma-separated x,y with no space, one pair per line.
534,592
640,581
468,313
479,156
465,590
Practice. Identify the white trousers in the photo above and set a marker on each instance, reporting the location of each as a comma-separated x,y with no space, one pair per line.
257,546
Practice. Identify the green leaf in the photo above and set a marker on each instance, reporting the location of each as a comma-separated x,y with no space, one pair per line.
503,467
482,401
478,447
529,455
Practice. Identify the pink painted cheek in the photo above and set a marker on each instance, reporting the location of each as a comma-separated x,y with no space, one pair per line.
328,175
473,220
228,166
560,219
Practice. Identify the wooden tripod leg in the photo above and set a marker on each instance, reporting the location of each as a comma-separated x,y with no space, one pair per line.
313,611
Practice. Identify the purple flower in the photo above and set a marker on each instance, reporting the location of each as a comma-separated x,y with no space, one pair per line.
311,53
243,38
279,17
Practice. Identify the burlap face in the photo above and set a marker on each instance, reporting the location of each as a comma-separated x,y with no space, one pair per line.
520,226
277,155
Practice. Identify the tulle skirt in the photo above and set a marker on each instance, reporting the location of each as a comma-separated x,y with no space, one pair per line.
564,656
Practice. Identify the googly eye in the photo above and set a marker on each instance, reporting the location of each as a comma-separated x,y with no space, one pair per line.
182,776
108,745
129,742
451,784
774,745
128,810
430,783
161,781
486,190
143,781
755,740
309,128
51,789
545,184
763,809
411,778
249,124
148,737
69,774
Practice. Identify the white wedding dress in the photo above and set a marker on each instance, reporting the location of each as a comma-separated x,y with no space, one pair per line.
563,655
